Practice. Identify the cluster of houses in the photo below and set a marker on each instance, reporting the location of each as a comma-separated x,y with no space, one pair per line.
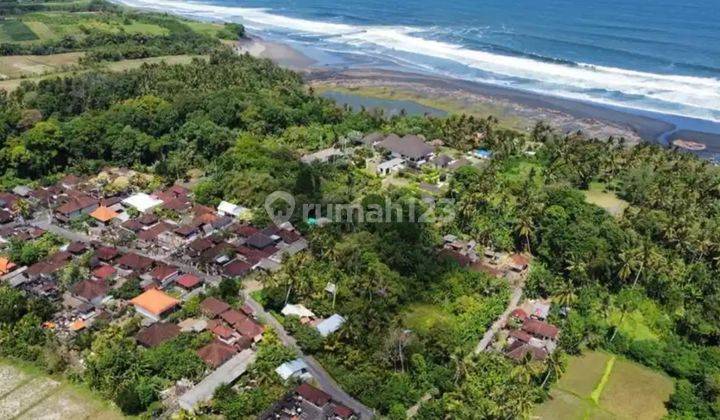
496,264
146,253
325,326
308,402
529,333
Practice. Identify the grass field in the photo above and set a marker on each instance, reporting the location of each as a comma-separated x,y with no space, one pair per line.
16,66
421,317
598,385
598,195
447,104
13,83
12,30
26,393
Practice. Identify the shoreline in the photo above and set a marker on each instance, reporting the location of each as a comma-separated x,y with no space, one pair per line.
595,120
521,108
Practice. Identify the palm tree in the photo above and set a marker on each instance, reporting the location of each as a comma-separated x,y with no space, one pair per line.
554,366
566,296
524,227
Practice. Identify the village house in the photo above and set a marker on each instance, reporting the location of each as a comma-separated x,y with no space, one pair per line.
293,369
390,166
156,334
154,304
534,338
308,402
188,282
90,291
75,206
103,215
104,272
141,202
216,353
134,262
413,149
323,156
330,325
212,307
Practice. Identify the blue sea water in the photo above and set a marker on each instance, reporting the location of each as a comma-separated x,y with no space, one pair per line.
658,56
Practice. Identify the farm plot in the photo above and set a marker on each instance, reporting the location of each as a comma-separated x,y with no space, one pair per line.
28,394
15,31
598,385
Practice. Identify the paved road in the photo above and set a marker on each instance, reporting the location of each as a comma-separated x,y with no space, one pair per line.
326,382
484,341
225,374
501,321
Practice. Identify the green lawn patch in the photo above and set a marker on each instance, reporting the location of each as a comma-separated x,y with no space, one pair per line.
598,194
16,31
518,170
422,317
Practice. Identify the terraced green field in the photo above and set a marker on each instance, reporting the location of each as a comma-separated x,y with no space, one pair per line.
12,30
28,394
598,385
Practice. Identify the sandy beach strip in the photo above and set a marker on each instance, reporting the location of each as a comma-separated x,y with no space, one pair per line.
282,54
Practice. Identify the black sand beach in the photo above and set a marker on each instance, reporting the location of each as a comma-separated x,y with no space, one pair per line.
564,114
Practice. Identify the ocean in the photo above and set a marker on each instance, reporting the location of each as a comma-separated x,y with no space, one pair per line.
649,56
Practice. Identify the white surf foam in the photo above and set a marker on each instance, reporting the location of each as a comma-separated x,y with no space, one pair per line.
696,97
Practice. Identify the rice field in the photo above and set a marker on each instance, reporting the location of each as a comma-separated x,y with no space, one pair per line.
12,30
598,385
18,66
28,394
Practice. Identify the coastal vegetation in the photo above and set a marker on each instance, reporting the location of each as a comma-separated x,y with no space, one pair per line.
639,284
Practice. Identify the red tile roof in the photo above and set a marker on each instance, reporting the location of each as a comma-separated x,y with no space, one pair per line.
540,328
236,268
104,271
90,289
162,272
188,281
106,253
151,234
216,353
312,394
132,261
248,328
213,306
77,203
157,334
231,316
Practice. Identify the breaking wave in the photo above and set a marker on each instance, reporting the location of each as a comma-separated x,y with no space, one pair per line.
688,96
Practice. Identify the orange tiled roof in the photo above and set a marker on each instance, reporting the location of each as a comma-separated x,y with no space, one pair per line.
155,301
104,214
6,266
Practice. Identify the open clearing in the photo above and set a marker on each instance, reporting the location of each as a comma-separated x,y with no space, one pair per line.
17,66
582,392
13,83
25,393
597,195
